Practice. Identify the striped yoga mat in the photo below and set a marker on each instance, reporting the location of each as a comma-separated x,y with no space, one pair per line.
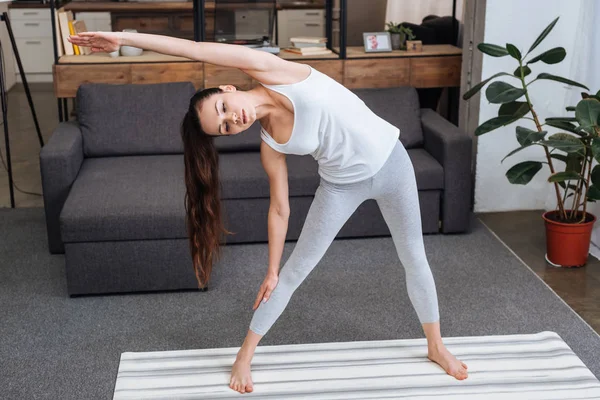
538,366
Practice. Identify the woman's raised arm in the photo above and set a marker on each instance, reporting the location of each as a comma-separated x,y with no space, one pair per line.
262,66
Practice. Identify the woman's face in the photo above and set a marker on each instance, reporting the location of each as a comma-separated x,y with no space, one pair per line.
227,113
373,40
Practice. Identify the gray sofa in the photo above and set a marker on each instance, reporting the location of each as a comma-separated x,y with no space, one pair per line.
114,189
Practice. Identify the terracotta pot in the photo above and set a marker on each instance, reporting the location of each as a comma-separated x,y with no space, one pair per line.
568,245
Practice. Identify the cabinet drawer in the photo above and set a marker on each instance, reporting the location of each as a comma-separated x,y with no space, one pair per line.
141,24
95,15
306,15
101,26
31,29
30,14
306,28
36,54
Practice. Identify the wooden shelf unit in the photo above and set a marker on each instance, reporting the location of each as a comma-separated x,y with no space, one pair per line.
434,67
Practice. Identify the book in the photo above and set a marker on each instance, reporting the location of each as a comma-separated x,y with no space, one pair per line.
318,52
308,39
303,45
306,50
60,47
64,33
72,32
79,27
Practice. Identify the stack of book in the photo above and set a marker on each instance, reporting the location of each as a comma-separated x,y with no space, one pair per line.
65,26
309,46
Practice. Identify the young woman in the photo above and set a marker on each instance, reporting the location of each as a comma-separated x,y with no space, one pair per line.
301,111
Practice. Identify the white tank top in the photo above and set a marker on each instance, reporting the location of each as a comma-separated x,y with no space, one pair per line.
348,140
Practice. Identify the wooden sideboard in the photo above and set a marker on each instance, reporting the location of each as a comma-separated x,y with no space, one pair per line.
436,66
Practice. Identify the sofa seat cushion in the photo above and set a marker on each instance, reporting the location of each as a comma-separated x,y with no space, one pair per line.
142,197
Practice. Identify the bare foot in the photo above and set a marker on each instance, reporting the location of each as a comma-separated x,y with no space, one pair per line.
241,378
440,355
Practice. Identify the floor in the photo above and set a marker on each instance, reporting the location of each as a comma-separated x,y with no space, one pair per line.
522,231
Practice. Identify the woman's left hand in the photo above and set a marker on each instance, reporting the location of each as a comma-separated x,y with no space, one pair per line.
266,289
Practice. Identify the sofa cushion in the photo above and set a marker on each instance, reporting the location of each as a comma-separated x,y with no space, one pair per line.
249,140
400,107
142,197
132,119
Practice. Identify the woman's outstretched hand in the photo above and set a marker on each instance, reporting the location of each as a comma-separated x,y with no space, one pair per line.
98,41
266,289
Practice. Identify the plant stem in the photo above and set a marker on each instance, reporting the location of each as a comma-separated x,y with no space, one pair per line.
561,205
587,188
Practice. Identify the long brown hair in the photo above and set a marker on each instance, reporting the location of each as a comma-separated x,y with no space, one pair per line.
203,192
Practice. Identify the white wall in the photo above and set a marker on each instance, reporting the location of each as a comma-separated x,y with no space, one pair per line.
519,23
414,11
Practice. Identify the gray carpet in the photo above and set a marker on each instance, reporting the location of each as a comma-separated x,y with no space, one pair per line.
56,347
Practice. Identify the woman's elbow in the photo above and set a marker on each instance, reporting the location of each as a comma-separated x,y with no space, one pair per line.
282,211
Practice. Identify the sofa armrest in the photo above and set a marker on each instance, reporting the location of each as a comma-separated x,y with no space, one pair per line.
60,161
452,148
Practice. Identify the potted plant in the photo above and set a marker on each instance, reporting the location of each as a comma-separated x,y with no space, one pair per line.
399,35
569,154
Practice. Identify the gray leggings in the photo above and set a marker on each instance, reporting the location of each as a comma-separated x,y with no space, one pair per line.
395,190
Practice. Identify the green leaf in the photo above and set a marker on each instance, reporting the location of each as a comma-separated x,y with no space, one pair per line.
564,176
570,108
560,157
492,124
502,92
552,56
567,126
574,162
513,51
562,119
593,193
522,173
596,175
492,49
587,113
551,77
471,92
515,109
526,71
516,151
526,136
563,144
544,33
596,148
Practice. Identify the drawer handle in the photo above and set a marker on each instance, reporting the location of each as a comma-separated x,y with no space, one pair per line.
307,24
30,13
33,42
32,24
311,13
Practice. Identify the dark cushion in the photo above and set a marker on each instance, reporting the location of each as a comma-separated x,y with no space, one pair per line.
132,119
400,107
142,197
249,140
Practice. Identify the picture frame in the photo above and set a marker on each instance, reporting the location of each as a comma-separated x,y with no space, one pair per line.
377,42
